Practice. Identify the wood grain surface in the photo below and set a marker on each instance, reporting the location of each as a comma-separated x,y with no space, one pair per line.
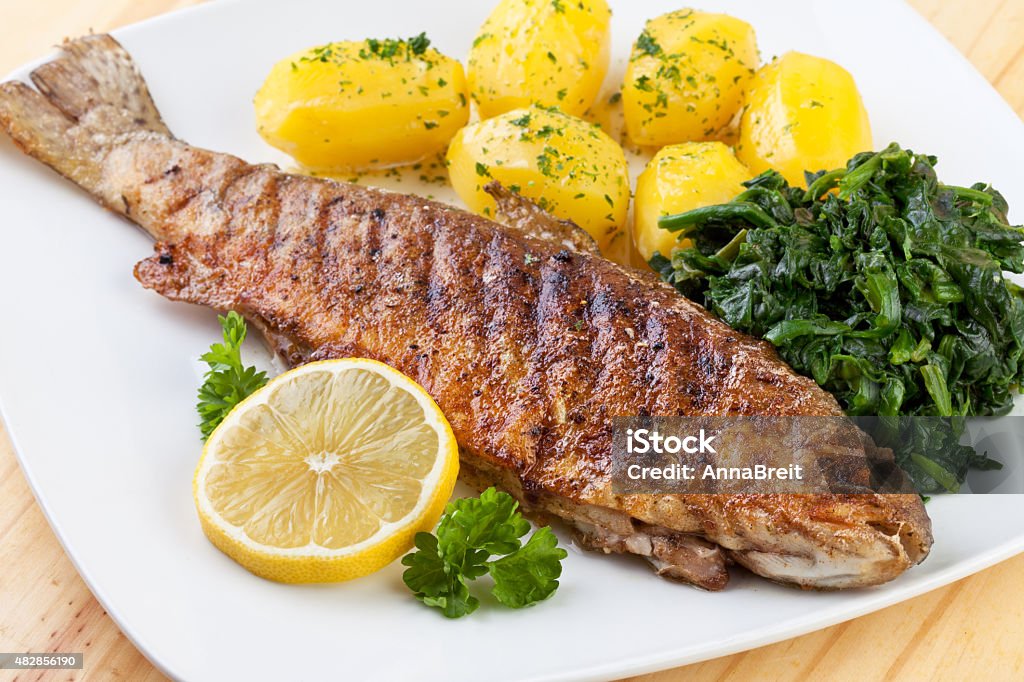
972,629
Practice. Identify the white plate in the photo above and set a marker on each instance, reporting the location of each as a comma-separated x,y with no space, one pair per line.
98,382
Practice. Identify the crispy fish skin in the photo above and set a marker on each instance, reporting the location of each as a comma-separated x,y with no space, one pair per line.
529,347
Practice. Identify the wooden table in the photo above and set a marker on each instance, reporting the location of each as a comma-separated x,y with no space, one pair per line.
973,628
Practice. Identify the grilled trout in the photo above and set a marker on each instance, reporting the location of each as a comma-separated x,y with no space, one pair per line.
528,340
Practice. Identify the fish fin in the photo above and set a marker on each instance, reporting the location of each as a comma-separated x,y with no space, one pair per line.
36,126
95,82
516,211
87,98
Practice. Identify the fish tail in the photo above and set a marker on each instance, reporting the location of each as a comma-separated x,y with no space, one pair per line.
86,101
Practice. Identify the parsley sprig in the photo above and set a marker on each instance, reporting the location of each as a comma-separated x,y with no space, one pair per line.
227,382
471,531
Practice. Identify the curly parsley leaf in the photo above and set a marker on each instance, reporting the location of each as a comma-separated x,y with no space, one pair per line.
434,581
471,531
482,526
227,382
530,574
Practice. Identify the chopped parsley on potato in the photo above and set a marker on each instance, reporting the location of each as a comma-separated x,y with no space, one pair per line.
802,113
687,77
567,166
363,104
548,52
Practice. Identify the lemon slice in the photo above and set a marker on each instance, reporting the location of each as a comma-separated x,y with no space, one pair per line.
326,473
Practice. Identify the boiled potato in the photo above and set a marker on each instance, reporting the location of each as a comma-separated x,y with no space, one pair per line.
802,113
679,178
566,165
549,52
687,77
365,104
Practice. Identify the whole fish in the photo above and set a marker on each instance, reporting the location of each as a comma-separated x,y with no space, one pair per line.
528,340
